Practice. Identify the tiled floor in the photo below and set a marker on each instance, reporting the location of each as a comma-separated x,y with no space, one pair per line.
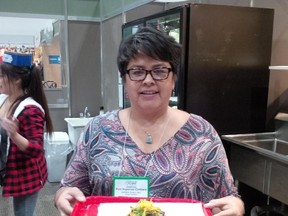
45,203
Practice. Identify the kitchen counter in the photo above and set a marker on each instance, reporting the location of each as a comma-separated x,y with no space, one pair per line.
260,160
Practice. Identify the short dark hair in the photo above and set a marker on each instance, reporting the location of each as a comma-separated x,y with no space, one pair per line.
151,42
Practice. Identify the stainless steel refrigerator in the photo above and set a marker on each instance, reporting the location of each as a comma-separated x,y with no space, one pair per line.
225,62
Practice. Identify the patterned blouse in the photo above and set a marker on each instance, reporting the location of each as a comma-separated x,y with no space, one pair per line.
191,164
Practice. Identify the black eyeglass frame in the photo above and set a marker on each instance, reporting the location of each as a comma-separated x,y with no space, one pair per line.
149,72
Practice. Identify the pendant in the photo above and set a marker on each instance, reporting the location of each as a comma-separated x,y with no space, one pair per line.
148,139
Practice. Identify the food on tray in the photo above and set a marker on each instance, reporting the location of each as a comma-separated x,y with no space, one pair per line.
146,208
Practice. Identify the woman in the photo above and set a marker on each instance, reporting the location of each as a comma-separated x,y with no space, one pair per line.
179,153
23,112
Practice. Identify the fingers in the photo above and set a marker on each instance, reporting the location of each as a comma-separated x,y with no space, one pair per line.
10,125
232,206
15,120
66,198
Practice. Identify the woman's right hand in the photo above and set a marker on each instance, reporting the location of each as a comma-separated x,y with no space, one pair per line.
65,199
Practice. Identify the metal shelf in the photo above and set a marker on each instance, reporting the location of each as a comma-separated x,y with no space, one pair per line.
278,67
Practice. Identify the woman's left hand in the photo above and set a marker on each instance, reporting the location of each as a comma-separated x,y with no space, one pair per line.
10,125
228,206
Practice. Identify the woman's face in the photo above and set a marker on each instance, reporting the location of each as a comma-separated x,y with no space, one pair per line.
4,86
149,94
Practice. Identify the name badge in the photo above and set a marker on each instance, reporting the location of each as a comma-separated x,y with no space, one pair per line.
131,186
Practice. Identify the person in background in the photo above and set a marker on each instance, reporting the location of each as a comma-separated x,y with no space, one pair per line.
180,153
24,114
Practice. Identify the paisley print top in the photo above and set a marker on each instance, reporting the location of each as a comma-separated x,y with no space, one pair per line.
191,164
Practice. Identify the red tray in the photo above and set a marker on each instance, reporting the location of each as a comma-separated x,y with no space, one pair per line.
90,206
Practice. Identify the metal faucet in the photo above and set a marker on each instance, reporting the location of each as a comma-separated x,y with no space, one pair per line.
86,113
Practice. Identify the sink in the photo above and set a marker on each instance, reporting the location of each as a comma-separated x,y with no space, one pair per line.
260,160
75,127
77,122
267,144
274,145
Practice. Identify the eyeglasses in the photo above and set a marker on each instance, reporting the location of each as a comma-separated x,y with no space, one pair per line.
139,74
